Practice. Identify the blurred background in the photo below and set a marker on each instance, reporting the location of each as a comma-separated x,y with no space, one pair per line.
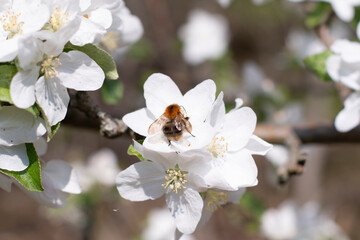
258,51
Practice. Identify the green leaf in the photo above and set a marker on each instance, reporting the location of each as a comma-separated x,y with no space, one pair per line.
317,64
318,15
112,91
132,151
7,72
53,131
101,57
30,178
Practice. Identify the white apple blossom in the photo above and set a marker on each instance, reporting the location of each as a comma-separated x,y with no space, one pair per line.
60,71
232,146
17,127
307,222
159,92
19,19
177,175
224,3
205,37
161,226
58,180
125,30
344,9
344,66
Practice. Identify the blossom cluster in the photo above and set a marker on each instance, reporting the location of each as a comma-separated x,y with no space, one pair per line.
46,48
210,165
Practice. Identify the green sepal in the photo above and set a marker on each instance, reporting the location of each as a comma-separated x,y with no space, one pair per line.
29,178
7,72
132,151
100,56
112,91
317,64
51,130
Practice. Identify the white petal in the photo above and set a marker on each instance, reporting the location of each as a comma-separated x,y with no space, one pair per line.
159,92
258,146
40,146
22,87
8,49
78,71
30,53
102,17
349,51
343,10
199,100
88,32
278,156
186,208
18,126
129,26
53,98
62,176
217,114
139,121
349,117
234,196
238,170
238,127
141,181
14,158
5,182
333,64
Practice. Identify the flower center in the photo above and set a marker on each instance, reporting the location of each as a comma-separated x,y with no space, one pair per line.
10,23
216,199
175,179
218,147
49,65
58,18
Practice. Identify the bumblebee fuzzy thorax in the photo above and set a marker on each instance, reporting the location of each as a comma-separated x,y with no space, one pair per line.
172,111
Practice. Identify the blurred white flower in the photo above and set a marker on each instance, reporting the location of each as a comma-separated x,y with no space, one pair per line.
259,2
101,168
17,127
126,30
344,9
19,19
161,226
278,156
303,44
224,3
344,66
308,222
205,37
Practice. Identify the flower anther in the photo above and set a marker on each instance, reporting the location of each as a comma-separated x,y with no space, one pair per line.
175,179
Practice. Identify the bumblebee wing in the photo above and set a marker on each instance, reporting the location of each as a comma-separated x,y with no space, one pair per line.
187,125
157,125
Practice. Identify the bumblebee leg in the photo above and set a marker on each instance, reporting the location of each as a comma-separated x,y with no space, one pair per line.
169,142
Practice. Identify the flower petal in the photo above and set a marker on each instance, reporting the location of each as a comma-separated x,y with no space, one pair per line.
186,208
62,176
139,121
141,181
19,126
343,10
22,87
217,114
258,146
238,127
78,71
159,92
53,98
88,32
234,196
102,17
14,158
198,101
8,49
349,117
333,64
